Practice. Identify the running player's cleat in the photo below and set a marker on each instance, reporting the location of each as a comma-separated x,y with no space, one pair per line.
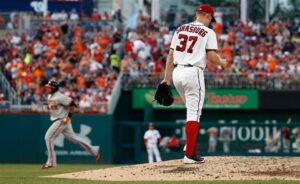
45,166
98,157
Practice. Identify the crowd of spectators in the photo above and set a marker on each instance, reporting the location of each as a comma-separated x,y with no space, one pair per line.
82,58
86,59
11,21
263,55
73,15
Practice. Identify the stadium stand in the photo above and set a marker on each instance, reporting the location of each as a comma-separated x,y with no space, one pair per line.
77,54
86,57
264,56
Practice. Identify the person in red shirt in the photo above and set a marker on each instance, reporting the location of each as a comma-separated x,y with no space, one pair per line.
95,15
173,143
159,67
128,46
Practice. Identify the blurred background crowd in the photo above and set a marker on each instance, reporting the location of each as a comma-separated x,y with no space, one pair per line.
88,52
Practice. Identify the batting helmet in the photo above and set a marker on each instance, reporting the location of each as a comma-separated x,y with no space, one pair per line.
53,85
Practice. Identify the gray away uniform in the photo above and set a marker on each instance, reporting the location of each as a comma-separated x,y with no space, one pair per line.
58,106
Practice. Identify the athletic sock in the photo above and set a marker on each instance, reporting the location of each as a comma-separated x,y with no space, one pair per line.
191,131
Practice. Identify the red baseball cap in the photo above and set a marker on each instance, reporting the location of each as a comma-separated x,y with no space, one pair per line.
207,9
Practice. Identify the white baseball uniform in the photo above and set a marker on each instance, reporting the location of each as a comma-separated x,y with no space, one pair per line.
190,43
58,106
298,139
212,141
152,137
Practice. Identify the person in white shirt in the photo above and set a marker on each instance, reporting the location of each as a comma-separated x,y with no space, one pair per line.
141,48
74,15
151,139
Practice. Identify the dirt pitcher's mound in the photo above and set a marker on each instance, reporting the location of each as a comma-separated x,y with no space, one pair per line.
215,168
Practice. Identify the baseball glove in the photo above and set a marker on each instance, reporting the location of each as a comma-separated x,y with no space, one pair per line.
163,95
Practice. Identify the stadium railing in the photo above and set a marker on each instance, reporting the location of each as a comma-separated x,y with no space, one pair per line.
223,80
115,94
8,90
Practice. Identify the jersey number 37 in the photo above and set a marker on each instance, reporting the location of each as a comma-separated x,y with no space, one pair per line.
183,43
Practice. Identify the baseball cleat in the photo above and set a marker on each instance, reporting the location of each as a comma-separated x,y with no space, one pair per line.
45,166
195,159
98,157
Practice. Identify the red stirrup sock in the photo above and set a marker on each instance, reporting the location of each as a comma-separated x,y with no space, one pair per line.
191,131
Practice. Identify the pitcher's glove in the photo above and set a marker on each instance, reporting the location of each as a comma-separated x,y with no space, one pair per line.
163,95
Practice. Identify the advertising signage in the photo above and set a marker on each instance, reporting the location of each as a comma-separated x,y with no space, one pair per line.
214,99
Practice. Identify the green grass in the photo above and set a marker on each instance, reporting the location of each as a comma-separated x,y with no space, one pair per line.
29,174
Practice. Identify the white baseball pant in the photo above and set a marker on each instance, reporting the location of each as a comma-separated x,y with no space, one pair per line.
66,129
153,149
189,82
298,145
226,145
212,143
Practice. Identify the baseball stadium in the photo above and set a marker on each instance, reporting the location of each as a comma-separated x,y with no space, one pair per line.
149,91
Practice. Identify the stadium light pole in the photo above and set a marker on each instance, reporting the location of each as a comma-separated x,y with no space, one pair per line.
243,10
267,10
45,8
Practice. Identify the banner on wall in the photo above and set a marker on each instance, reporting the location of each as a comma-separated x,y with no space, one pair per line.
214,99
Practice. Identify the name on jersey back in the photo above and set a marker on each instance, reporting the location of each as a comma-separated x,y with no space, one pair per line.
192,29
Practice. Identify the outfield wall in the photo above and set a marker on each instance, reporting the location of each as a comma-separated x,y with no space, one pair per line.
250,126
22,138
121,135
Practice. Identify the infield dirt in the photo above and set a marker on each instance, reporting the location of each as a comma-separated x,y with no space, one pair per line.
215,168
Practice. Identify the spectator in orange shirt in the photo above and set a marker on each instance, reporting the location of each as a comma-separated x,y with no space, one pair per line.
78,45
227,53
53,43
271,63
270,27
49,54
217,28
104,40
37,73
100,81
252,63
77,31
80,80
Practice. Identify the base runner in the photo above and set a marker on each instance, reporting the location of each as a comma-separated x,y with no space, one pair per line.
61,108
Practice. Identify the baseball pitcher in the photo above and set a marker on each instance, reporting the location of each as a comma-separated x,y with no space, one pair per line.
191,44
61,107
